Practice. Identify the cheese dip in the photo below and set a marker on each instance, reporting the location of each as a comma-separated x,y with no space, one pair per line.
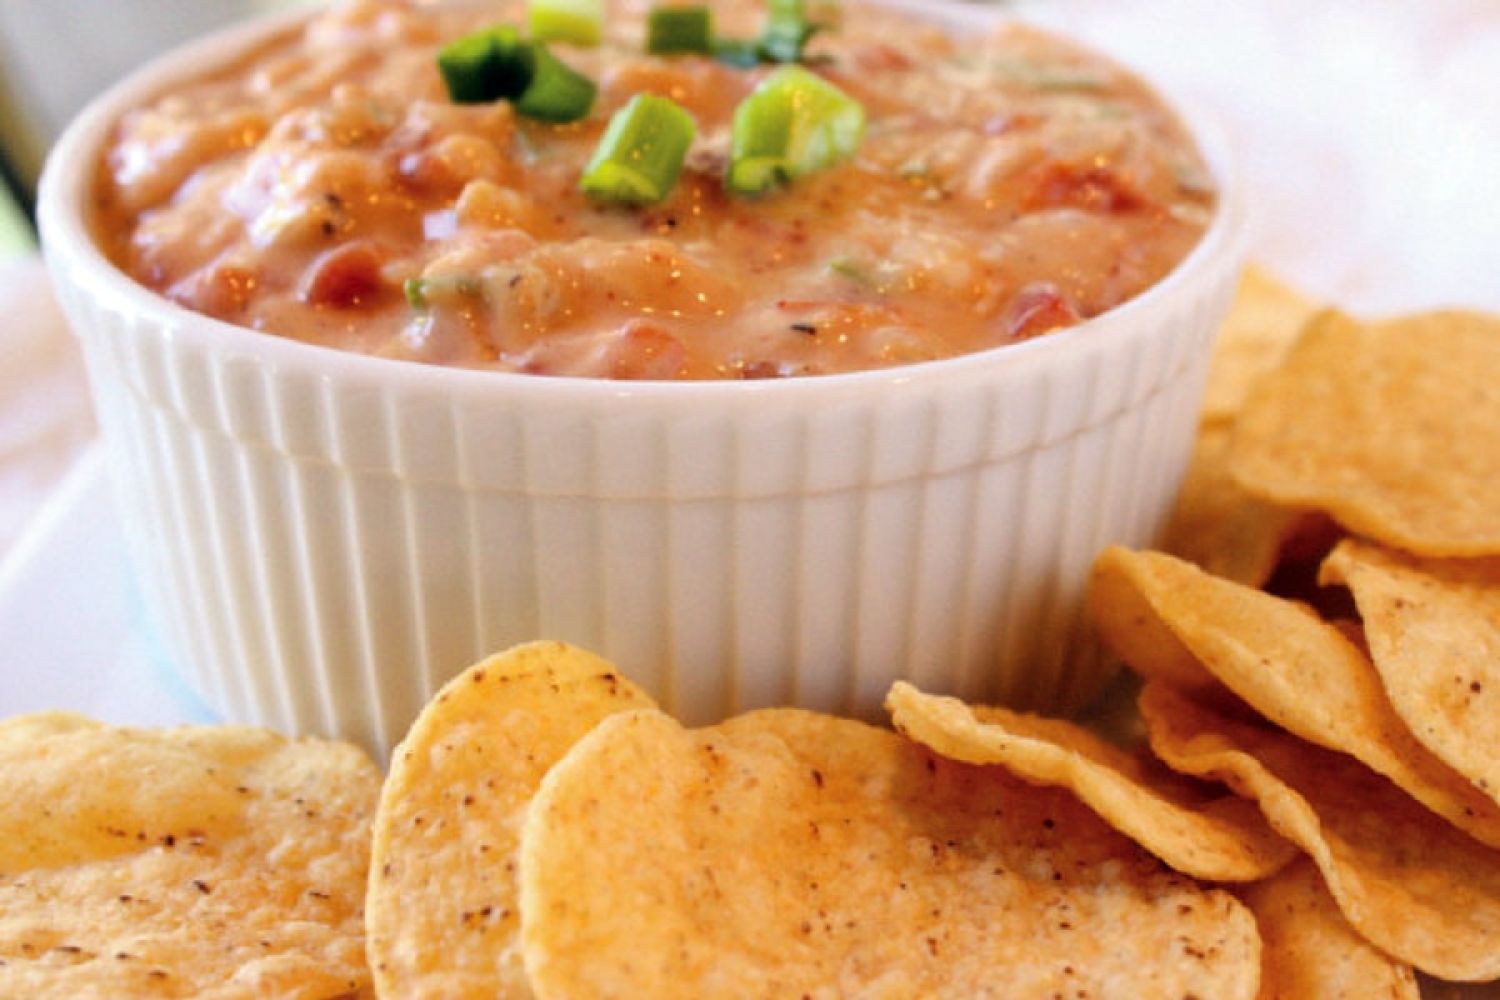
1005,186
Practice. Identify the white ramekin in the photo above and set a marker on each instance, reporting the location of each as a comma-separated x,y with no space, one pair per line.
324,538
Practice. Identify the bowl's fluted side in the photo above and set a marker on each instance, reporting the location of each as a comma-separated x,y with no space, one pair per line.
324,555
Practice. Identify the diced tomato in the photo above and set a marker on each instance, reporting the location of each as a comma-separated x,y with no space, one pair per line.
1037,308
768,369
882,58
644,350
344,277
222,290
1090,188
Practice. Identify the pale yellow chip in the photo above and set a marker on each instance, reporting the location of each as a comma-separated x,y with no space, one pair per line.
1197,828
1433,627
786,854
1218,525
1308,949
1263,322
1300,672
444,915
1410,883
1388,427
220,862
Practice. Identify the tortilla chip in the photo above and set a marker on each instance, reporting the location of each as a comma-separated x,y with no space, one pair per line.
199,861
443,910
1304,675
1434,632
1308,949
1263,322
1409,882
1387,427
1198,829
787,854
1219,526
1123,589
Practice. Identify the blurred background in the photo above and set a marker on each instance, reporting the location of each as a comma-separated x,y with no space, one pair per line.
55,56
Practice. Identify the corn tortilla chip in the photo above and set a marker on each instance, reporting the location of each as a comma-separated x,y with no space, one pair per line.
1387,427
1410,883
786,854
1434,634
1219,526
220,862
1123,589
1196,828
444,916
1304,675
1263,322
1308,949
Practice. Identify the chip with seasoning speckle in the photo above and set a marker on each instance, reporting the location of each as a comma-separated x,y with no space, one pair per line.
199,861
443,910
1413,885
1387,427
1199,828
1433,627
785,853
1297,670
1309,949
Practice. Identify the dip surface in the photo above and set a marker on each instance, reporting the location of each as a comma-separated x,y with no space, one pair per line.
1006,186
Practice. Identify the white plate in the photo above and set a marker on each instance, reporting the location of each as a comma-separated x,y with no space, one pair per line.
71,620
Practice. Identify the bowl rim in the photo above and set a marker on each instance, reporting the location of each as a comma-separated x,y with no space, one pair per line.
69,246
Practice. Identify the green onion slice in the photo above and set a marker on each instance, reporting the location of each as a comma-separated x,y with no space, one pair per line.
786,32
485,66
671,30
495,64
737,52
783,39
578,21
557,92
641,153
795,122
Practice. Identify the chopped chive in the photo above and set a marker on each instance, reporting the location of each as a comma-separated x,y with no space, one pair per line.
671,30
485,66
641,153
422,292
792,124
557,92
578,21
850,269
416,293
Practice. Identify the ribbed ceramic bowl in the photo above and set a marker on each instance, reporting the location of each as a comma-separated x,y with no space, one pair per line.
325,537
